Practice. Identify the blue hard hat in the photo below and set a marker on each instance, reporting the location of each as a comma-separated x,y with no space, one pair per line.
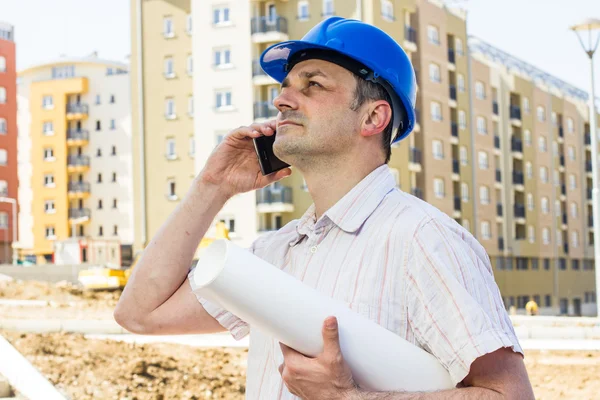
361,48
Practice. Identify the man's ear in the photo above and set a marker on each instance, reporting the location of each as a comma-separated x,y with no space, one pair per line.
379,115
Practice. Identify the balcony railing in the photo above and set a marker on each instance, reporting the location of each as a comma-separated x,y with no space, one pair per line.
257,69
562,160
417,116
79,213
455,166
454,128
451,56
417,192
498,175
566,247
516,144
588,166
499,209
414,155
500,243
518,177
410,34
78,134
453,92
495,107
587,139
79,187
561,132
519,210
589,193
563,189
497,141
265,109
270,195
515,112
590,221
77,108
269,24
457,203
564,219
78,161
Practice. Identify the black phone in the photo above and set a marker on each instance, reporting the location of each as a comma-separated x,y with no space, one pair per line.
268,161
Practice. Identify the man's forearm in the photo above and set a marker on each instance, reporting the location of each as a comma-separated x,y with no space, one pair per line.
462,393
166,260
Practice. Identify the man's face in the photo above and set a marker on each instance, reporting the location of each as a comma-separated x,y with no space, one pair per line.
316,121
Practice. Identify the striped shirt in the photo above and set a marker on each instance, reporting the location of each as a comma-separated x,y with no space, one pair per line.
394,259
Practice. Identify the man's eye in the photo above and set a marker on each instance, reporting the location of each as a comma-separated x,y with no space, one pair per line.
313,83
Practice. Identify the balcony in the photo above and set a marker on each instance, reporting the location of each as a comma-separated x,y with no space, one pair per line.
587,139
259,77
76,213
457,203
519,210
588,166
269,29
566,248
589,193
77,111
516,144
451,56
562,160
410,34
265,109
499,209
515,112
495,107
454,129
78,190
417,116
453,92
498,175
417,192
590,221
78,163
563,189
455,167
564,219
500,243
77,137
496,141
274,199
561,132
518,177
414,155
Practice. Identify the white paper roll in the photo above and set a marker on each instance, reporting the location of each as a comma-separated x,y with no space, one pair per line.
293,313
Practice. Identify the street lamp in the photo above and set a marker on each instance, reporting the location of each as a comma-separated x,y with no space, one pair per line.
15,257
591,28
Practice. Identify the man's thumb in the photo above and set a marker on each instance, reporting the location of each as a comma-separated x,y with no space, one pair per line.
331,335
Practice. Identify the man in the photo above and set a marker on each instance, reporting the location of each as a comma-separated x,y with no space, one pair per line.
348,92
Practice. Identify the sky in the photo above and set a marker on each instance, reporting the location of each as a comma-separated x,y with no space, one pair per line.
536,31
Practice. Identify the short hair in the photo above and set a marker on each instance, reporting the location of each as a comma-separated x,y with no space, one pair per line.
370,91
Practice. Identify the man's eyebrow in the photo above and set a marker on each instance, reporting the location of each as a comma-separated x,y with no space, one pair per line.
306,75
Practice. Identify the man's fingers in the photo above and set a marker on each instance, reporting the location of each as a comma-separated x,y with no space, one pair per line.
331,338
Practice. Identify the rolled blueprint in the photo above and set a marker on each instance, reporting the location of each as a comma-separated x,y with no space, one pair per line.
293,313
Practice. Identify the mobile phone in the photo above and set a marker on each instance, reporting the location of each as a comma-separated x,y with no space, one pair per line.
267,160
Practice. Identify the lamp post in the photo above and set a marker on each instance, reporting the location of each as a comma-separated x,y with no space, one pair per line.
14,225
590,29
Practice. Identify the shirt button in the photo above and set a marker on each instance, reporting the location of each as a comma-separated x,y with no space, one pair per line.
313,249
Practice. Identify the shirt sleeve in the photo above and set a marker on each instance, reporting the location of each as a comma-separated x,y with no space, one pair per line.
454,305
236,327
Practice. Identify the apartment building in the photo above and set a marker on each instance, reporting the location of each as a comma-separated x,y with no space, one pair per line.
8,144
76,167
164,147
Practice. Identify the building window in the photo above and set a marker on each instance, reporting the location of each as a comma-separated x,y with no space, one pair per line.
571,153
48,154
2,64
189,65
464,156
49,207
168,28
486,232
574,210
98,152
191,106
3,126
47,101
114,203
458,46
229,223
171,151
188,24
99,204
460,81
3,188
557,207
575,238
303,8
387,10
223,99
328,8
531,234
529,170
169,67
433,35
556,179
112,99
50,234
98,125
572,181
570,126
553,118
464,191
97,99
542,144
484,195
113,124
3,220
462,119
483,160
527,137
170,108
526,107
49,180
434,73
48,128
222,58
65,71
546,236
530,202
480,90
436,111
171,192
481,125
221,16
192,147
100,231
541,113
545,205
115,230
114,177
113,151
438,150
544,174
99,180
438,188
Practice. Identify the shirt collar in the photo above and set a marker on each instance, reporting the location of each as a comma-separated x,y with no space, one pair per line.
352,210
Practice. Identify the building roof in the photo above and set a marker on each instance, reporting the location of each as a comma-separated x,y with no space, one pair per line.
91,59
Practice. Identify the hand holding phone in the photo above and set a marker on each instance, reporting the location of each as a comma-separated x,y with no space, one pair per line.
267,160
